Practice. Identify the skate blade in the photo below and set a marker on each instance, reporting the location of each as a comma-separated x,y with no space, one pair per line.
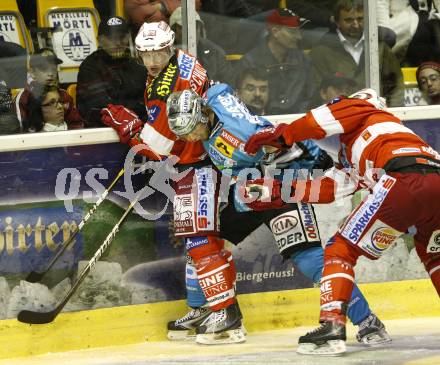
226,337
331,348
184,335
376,339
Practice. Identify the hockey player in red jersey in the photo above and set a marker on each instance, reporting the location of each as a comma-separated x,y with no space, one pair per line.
402,173
196,199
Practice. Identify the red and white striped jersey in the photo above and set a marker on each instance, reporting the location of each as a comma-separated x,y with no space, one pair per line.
370,137
182,72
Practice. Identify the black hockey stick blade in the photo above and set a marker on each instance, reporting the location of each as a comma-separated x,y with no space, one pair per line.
32,317
36,276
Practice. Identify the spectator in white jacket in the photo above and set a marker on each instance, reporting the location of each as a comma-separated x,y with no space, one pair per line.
417,27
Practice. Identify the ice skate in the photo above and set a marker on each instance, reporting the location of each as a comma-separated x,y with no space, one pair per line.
184,328
327,340
222,327
372,332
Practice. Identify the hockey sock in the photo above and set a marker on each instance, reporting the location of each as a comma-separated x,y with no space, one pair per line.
336,288
195,297
215,273
310,262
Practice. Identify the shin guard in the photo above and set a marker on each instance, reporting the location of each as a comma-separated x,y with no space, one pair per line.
336,288
216,280
215,271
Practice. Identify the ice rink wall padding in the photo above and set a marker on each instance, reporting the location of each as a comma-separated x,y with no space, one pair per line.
147,322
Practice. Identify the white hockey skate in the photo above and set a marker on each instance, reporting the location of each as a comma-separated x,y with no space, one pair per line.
372,332
327,340
222,327
183,329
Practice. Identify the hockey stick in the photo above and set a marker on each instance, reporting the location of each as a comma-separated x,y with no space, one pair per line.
27,316
35,276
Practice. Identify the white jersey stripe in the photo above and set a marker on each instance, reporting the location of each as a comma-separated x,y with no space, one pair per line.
327,121
370,134
433,270
339,275
156,141
212,272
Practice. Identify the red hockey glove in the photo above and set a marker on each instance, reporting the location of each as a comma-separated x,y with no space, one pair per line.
270,136
125,122
261,194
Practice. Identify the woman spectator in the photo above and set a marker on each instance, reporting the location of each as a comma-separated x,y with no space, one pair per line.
45,111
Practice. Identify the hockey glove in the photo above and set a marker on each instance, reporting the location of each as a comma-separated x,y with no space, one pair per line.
124,121
270,136
261,194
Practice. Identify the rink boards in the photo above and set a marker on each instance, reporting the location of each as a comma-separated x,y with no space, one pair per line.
147,322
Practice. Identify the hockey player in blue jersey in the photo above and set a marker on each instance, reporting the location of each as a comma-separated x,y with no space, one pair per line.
224,124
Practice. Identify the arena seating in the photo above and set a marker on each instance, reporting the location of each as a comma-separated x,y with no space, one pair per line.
77,22
12,27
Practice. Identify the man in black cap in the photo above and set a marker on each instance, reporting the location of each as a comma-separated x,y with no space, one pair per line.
110,75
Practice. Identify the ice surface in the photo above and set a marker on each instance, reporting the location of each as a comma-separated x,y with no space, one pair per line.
415,341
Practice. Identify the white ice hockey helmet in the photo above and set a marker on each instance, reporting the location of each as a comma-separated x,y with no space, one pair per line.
154,36
184,110
371,96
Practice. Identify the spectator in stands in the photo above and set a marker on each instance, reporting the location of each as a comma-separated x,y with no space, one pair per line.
318,21
252,88
140,11
9,123
110,75
428,79
210,55
45,110
287,68
318,13
417,27
43,73
342,52
13,64
332,87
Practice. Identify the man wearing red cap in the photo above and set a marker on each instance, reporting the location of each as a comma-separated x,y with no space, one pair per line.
286,67
428,79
